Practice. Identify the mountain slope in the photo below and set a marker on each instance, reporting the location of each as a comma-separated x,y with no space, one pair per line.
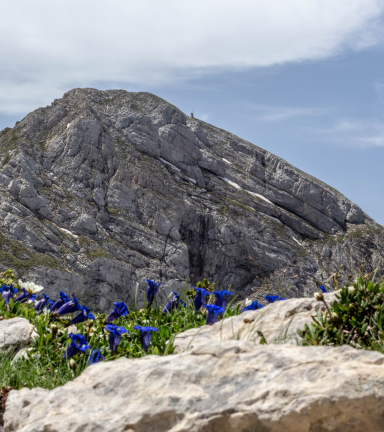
103,189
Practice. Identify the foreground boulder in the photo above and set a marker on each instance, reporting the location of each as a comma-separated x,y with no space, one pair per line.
16,333
277,323
237,386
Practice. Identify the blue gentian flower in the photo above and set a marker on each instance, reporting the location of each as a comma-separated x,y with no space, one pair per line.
95,357
58,303
115,333
69,307
273,298
119,311
78,344
49,304
199,300
323,289
221,298
83,316
253,306
145,336
41,304
8,292
213,313
171,303
23,297
152,289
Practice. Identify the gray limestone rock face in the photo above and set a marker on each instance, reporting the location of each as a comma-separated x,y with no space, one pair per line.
16,333
104,189
235,386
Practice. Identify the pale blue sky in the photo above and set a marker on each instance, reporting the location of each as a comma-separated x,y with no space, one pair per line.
304,82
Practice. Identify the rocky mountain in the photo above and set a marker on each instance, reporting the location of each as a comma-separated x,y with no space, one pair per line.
103,189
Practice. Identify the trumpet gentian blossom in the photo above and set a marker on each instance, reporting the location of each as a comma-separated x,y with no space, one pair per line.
171,303
95,357
152,289
273,298
115,333
213,313
8,292
199,300
25,296
41,304
221,298
83,316
78,344
323,289
58,303
253,306
145,336
119,311
69,307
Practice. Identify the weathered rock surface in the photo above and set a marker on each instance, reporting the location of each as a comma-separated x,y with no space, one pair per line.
16,333
278,322
103,189
237,386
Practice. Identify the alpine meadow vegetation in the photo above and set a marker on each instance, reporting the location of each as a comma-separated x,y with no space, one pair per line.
72,338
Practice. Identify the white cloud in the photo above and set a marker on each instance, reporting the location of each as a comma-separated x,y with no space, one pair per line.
49,47
356,133
280,113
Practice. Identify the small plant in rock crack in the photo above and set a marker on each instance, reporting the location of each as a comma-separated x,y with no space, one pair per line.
356,318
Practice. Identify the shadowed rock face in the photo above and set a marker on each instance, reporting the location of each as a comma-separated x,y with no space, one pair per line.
103,189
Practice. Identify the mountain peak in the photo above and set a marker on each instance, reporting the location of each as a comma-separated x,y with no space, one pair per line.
107,188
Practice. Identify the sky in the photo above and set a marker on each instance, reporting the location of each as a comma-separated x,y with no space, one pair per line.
302,79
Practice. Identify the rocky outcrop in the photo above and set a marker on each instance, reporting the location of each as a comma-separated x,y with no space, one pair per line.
277,323
103,189
16,333
237,386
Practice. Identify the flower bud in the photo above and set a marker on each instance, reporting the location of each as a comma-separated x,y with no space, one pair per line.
72,365
319,296
54,330
334,317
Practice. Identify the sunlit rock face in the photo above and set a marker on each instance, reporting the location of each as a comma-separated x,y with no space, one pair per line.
103,189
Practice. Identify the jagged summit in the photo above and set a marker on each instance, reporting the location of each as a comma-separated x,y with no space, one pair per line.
103,189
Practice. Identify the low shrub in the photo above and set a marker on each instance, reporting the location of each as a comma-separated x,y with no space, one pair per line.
356,318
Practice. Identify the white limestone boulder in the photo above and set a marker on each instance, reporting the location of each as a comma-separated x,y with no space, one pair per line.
278,322
234,386
16,333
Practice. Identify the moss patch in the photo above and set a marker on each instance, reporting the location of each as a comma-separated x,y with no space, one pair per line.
223,209
244,207
99,253
83,240
113,212
6,159
15,249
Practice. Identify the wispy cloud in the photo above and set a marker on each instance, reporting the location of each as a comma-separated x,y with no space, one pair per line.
356,133
49,47
281,113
